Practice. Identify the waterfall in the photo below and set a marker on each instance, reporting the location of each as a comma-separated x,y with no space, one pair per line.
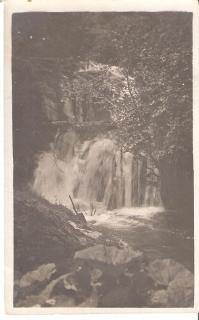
95,173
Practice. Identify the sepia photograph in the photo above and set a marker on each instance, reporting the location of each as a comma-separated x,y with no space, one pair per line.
102,136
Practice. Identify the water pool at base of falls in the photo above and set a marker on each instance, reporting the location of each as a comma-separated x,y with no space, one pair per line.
124,218
148,229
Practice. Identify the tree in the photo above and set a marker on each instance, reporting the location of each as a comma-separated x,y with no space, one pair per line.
155,117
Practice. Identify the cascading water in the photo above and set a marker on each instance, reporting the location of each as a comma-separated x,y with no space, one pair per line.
95,173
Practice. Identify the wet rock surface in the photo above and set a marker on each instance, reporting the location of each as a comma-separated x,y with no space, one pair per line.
177,281
108,254
93,283
43,272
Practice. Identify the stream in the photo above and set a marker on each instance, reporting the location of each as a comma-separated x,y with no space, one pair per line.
148,229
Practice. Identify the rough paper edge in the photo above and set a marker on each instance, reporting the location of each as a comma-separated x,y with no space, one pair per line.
13,6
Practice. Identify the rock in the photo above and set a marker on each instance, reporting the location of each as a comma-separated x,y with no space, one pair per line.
73,284
70,283
159,298
108,282
162,271
43,272
29,301
108,254
178,283
45,294
87,232
129,292
92,234
119,297
142,283
51,302
60,301
41,297
77,288
91,301
95,275
180,290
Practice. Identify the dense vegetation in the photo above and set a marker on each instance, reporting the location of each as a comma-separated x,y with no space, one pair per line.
151,105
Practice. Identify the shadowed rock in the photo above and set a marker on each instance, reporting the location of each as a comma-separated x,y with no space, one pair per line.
43,272
177,281
109,255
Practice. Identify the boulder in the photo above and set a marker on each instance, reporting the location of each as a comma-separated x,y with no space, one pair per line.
38,298
91,301
177,283
119,297
43,272
159,298
60,301
95,275
162,271
108,254
181,290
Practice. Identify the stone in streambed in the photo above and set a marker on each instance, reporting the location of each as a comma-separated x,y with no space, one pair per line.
108,254
31,283
159,298
177,281
162,271
181,290
43,272
60,301
120,297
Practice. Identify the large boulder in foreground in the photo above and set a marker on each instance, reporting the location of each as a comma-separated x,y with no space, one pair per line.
108,283
42,273
108,254
176,284
75,288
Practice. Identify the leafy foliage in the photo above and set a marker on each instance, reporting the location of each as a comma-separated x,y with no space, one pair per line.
154,109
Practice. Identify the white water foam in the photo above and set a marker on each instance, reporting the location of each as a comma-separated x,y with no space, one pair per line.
125,218
93,172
